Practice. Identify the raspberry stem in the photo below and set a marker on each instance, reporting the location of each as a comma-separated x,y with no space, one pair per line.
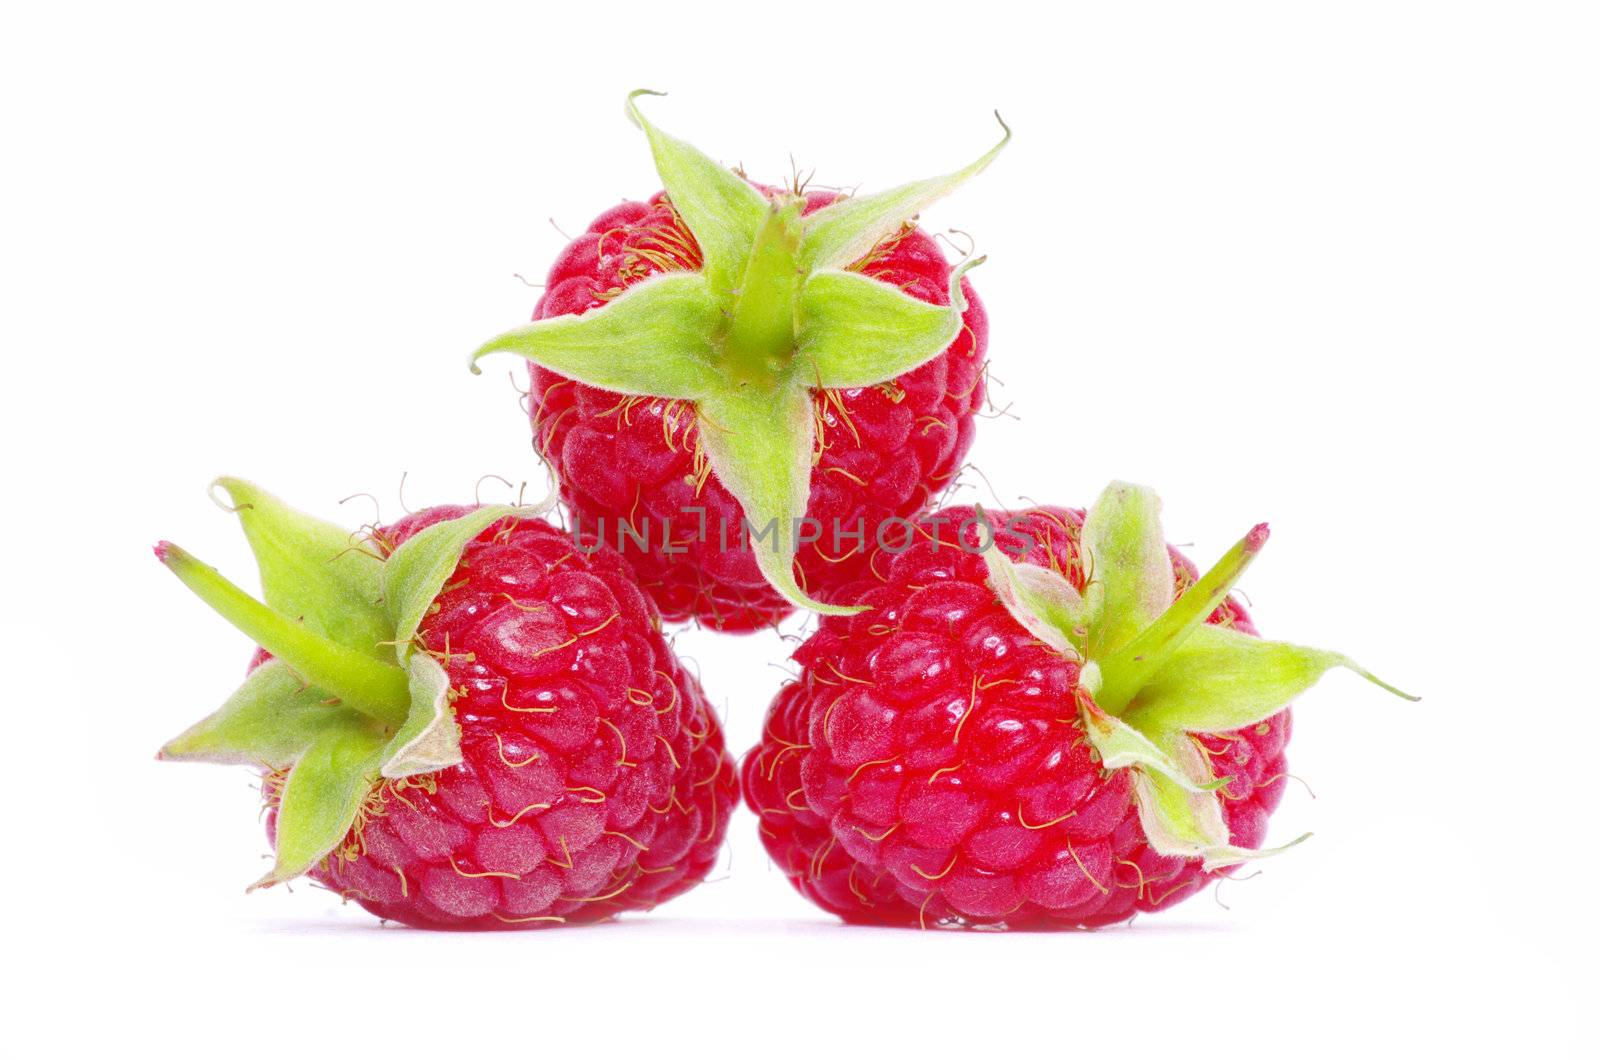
376,689
1126,670
760,340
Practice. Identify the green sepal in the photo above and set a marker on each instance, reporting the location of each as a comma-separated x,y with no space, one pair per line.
857,331
760,445
1178,820
415,572
1041,600
1128,573
1220,680
844,231
1226,855
1121,746
274,717
375,688
312,571
656,338
430,739
323,795
1183,825
1182,822
717,205
269,721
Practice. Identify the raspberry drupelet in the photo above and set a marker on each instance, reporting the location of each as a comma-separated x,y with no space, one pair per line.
943,759
575,770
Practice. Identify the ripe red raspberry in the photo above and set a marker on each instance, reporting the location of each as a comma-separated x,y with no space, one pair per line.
942,761
883,450
728,357
589,774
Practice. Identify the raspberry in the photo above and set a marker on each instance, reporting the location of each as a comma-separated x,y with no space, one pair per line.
883,451
589,776
940,761
738,384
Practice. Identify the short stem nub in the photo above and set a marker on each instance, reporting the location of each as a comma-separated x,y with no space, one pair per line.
760,338
361,682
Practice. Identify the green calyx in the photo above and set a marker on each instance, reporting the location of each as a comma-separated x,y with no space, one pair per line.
347,701
774,313
1154,672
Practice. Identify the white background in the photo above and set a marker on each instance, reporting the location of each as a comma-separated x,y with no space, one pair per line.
1330,265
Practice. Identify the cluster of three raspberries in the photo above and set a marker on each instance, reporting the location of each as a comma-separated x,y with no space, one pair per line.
751,397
